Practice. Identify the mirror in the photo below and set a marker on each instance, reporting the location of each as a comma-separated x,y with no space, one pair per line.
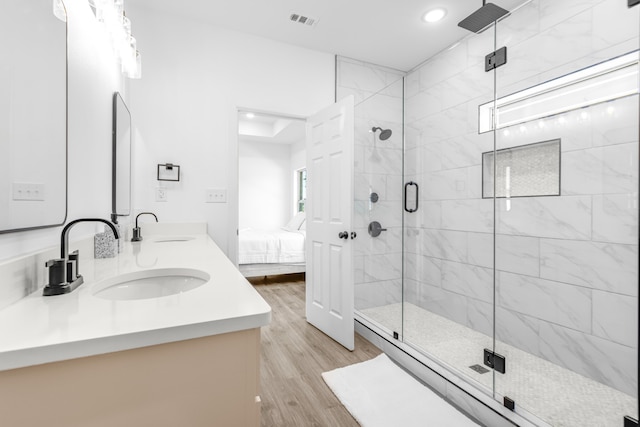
33,116
121,181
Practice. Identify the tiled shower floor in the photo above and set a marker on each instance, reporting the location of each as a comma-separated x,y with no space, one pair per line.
552,393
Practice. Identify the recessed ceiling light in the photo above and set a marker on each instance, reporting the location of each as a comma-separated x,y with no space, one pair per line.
434,15
250,115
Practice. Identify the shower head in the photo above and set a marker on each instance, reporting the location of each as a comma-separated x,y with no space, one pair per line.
384,133
482,17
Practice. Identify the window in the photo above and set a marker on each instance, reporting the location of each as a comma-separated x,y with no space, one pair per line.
301,196
608,80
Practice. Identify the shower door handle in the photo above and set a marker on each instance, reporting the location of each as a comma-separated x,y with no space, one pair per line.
406,186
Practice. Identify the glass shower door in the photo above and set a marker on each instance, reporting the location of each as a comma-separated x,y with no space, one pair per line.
565,181
448,237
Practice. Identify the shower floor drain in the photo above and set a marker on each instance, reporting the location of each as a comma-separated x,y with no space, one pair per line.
479,369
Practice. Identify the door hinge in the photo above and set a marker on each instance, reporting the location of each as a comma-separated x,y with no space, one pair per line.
630,422
632,3
495,361
495,59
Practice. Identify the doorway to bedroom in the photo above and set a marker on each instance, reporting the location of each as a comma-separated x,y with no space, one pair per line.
271,194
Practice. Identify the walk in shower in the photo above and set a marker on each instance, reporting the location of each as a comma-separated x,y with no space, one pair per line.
499,220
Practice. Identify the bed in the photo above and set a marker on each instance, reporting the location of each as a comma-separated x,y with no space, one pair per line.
273,252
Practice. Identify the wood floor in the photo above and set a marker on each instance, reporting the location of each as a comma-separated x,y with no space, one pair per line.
294,354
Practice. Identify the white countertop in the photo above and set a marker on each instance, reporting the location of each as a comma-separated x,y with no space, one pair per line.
39,329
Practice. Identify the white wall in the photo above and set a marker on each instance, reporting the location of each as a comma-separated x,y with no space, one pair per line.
194,78
264,184
298,155
93,77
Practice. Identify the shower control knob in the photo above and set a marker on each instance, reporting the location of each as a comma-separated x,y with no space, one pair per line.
343,235
353,235
375,229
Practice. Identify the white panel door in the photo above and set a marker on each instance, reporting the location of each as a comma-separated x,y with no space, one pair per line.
329,208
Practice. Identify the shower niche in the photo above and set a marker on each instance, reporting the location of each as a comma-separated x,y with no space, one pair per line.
522,171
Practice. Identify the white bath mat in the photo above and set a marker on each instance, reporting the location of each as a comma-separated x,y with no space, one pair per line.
378,393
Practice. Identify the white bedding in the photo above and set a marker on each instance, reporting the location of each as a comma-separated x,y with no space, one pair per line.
271,246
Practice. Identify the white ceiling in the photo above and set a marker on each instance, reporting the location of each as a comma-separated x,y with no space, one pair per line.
270,128
383,32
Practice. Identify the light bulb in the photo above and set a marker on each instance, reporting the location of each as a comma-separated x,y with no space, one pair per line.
59,11
434,15
136,72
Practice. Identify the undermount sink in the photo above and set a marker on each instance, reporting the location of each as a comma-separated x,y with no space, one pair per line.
172,239
151,284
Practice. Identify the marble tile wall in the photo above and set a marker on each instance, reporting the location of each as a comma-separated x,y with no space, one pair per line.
363,79
566,279
378,93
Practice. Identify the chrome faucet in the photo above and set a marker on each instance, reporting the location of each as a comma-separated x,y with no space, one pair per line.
63,271
136,231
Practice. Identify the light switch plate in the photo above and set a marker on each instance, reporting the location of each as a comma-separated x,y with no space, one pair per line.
24,191
213,195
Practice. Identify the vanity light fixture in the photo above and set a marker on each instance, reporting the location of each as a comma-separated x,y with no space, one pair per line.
111,14
136,71
434,15
59,10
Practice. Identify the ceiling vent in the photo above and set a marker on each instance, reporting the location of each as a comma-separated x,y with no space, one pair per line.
305,20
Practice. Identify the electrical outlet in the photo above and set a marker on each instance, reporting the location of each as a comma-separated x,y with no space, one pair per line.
161,194
216,196
22,191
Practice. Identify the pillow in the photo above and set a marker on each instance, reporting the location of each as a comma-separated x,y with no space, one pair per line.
295,222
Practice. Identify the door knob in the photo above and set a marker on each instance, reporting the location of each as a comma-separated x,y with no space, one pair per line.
343,235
